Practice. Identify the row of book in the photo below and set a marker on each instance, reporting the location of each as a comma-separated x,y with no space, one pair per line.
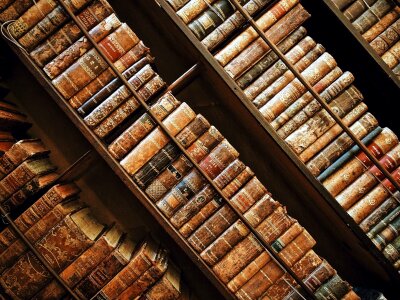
165,174
379,23
94,260
299,119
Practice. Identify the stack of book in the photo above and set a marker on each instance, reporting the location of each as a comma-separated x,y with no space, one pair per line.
160,169
379,23
299,119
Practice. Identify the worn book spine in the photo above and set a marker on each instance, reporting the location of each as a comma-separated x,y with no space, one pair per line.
204,144
366,181
230,173
333,132
192,9
387,235
65,59
168,178
234,21
177,4
386,40
263,64
342,4
12,10
192,131
247,36
278,68
282,286
261,210
238,182
297,248
382,223
320,275
290,234
392,251
331,152
281,29
366,205
335,287
70,32
382,25
357,8
372,15
307,265
179,119
189,186
356,166
253,191
275,224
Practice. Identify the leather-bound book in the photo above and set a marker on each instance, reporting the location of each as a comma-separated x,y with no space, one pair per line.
278,68
230,173
207,21
142,126
238,258
297,248
127,60
168,178
331,152
351,296
192,9
179,119
144,151
143,259
386,39
253,191
55,195
282,77
326,87
261,210
238,44
290,234
251,54
380,213
357,8
313,73
193,131
83,265
92,15
22,174
372,15
177,4
238,182
106,270
14,9
335,287
190,185
66,58
392,251
348,120
20,151
307,265
218,159
371,177
342,4
63,244
280,288
12,121
263,64
381,224
382,25
387,235
321,274
204,144
366,205
355,167
223,31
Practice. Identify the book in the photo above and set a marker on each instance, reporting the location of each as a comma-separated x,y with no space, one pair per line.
321,274
11,10
382,223
297,248
218,35
391,251
204,144
261,210
307,265
290,234
239,181
83,265
13,122
382,25
247,196
179,119
351,296
74,234
188,135
383,42
357,162
336,148
335,287
229,173
192,9
342,4
177,4
387,235
357,8
372,15
66,58
281,287
93,14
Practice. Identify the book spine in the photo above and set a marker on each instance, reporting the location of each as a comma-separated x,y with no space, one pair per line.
274,225
342,4
230,172
382,25
356,9
177,4
238,182
289,235
12,10
386,39
192,9
179,119
335,287
387,235
168,178
282,286
253,191
392,215
193,131
204,144
320,275
261,210
372,15
307,265
132,56
297,248
189,186
392,251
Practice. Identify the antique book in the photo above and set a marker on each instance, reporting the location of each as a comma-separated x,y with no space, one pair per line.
281,287
107,269
66,58
366,205
188,135
261,210
179,119
168,178
14,9
247,36
277,69
22,174
357,8
336,148
367,180
290,42
93,14
291,233
351,296
177,4
382,25
387,235
392,251
142,126
382,43
204,144
218,35
143,259
380,213
307,265
239,181
179,195
382,223
297,248
74,234
355,167
276,33
372,15
253,191
83,265
342,4
229,173
335,287
20,151
156,165
13,121
192,9
55,195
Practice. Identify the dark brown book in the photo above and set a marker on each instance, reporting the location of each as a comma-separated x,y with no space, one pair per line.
192,9
193,131
261,209
342,4
372,15
335,287
382,25
253,191
12,10
387,235
321,274
13,122
204,144
230,173
281,287
357,8
177,4
392,251
307,265
240,180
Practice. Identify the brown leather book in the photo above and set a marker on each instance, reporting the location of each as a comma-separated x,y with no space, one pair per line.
357,8
193,131
12,10
319,275
55,195
253,191
392,251
280,288
204,144
371,177
387,235
351,296
83,265
335,287
143,259
192,9
66,58
96,12
106,270
372,15
261,209
179,119
342,4
297,248
64,243
382,43
190,185
290,234
230,173
238,182
168,178
307,265
382,25
354,168
237,45
177,4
